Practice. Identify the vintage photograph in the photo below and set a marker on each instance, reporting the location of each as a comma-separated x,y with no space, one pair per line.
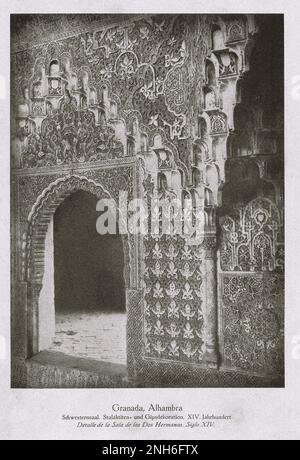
147,200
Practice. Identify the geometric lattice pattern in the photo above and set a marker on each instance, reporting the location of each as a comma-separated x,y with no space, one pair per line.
253,323
173,315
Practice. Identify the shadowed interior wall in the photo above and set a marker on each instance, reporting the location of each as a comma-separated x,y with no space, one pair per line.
88,266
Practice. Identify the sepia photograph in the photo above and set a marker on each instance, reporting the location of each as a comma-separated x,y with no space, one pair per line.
147,200
149,223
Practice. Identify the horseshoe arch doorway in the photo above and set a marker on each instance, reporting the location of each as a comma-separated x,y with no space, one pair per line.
82,306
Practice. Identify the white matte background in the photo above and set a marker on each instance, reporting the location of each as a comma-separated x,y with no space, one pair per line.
257,413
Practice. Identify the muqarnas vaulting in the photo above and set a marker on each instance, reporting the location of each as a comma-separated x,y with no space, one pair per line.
173,106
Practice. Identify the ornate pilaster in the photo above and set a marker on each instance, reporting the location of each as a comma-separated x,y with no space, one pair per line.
34,290
211,308
19,323
134,300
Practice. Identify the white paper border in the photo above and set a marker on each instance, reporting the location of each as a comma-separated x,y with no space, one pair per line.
257,413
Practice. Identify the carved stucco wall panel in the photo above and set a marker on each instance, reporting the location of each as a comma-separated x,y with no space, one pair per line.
155,66
252,239
252,318
252,323
173,313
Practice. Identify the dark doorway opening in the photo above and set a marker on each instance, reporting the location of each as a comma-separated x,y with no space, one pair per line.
88,267
89,287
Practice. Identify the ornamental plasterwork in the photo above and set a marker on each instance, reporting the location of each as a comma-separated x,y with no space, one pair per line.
154,66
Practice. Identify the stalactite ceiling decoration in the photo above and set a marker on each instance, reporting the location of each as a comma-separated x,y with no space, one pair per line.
153,70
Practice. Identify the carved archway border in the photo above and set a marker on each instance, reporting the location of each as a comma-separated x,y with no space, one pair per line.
33,251
39,219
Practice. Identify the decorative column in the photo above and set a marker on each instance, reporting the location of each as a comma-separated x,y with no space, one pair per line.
34,290
19,320
134,304
227,60
211,307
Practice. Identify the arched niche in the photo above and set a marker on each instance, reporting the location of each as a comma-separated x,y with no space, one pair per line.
73,82
157,141
83,80
202,128
212,176
134,127
162,182
182,178
176,182
210,72
217,38
92,97
54,68
197,199
144,142
103,95
197,155
113,110
83,102
210,100
197,177
187,201
208,197
65,66
130,146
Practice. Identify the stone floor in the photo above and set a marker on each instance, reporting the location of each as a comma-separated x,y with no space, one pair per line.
98,336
